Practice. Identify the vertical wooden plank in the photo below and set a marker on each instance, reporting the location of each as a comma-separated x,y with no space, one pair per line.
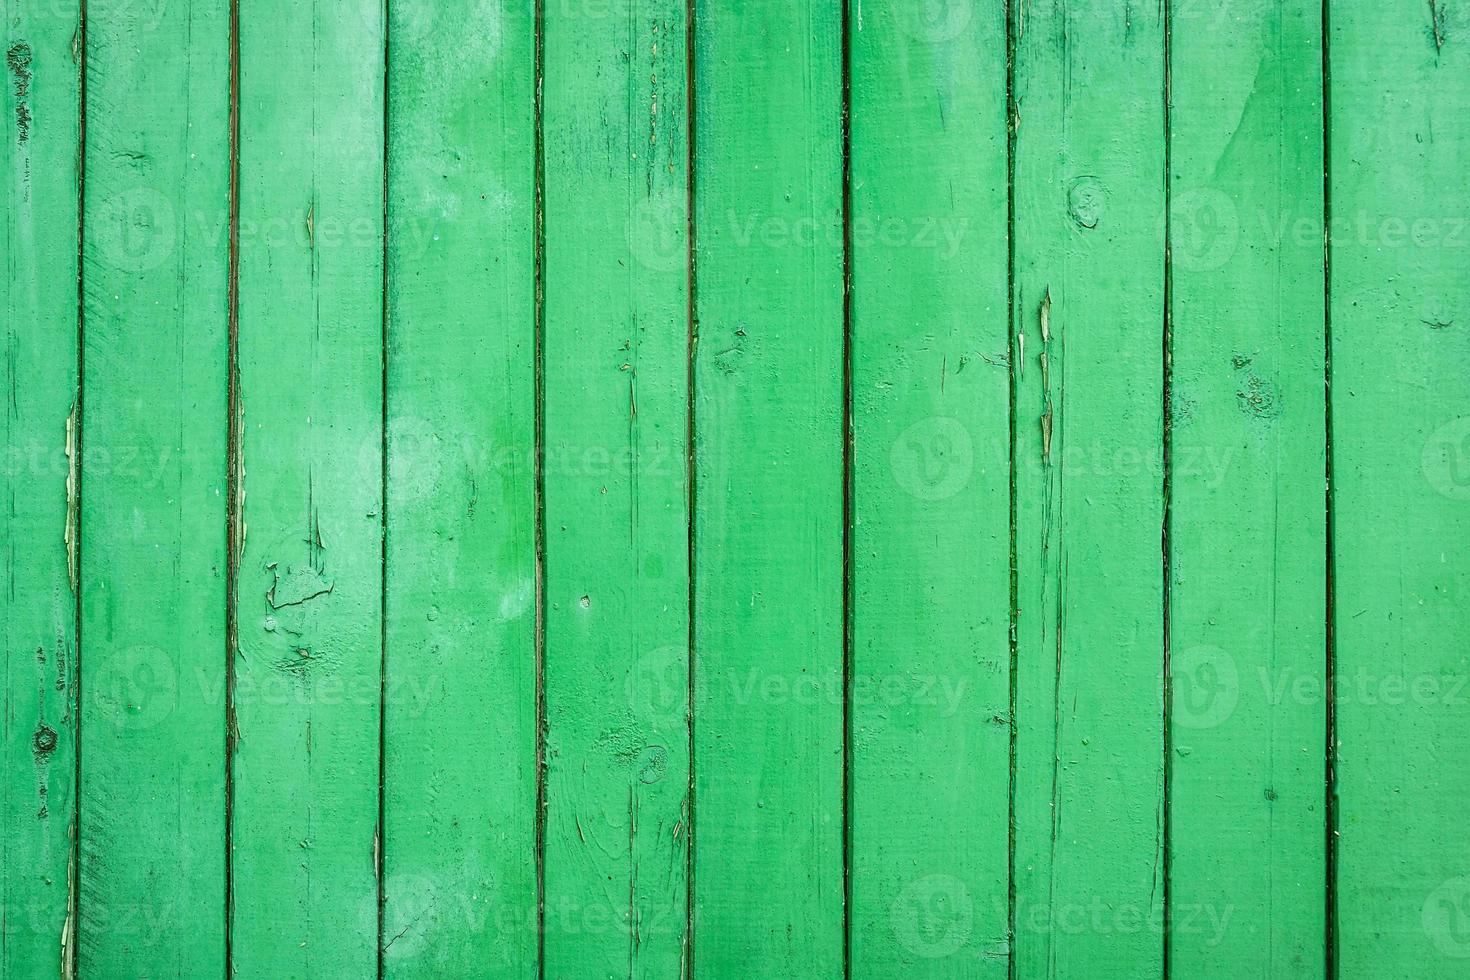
1089,317
459,789
617,539
1247,453
304,829
1399,198
768,866
39,157
153,513
460,873
931,493
152,562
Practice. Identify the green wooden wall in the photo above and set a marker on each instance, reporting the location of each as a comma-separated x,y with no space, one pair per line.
707,488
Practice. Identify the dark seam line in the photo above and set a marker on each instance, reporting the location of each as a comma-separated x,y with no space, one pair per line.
1330,805
1165,818
848,502
380,852
691,470
1012,44
233,477
74,875
538,235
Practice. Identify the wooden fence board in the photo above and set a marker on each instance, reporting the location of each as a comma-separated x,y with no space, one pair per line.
459,839
770,489
152,507
616,380
1247,556
1089,326
308,681
768,406
1400,304
930,692
40,161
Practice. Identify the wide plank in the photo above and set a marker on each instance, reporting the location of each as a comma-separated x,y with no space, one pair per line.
1247,545
40,161
153,491
1399,200
308,685
768,516
1088,313
616,381
929,698
459,806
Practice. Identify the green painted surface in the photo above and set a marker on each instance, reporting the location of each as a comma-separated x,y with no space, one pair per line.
459,890
1089,328
768,396
616,381
38,344
853,500
152,492
930,744
1248,540
1400,307
304,824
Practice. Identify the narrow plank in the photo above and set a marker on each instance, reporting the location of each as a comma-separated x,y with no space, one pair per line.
1400,312
617,534
304,822
153,516
39,157
768,634
1248,535
459,790
1088,320
931,493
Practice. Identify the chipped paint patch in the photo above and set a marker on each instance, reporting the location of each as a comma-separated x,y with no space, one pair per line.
73,496
18,59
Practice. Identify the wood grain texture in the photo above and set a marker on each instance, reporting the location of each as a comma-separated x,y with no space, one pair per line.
768,610
459,835
39,160
1248,532
930,693
1089,326
1400,307
778,490
152,569
304,824
617,532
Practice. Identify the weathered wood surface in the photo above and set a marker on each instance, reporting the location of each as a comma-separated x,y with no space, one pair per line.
1399,309
459,896
1089,277
152,509
1248,542
40,158
713,489
929,738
